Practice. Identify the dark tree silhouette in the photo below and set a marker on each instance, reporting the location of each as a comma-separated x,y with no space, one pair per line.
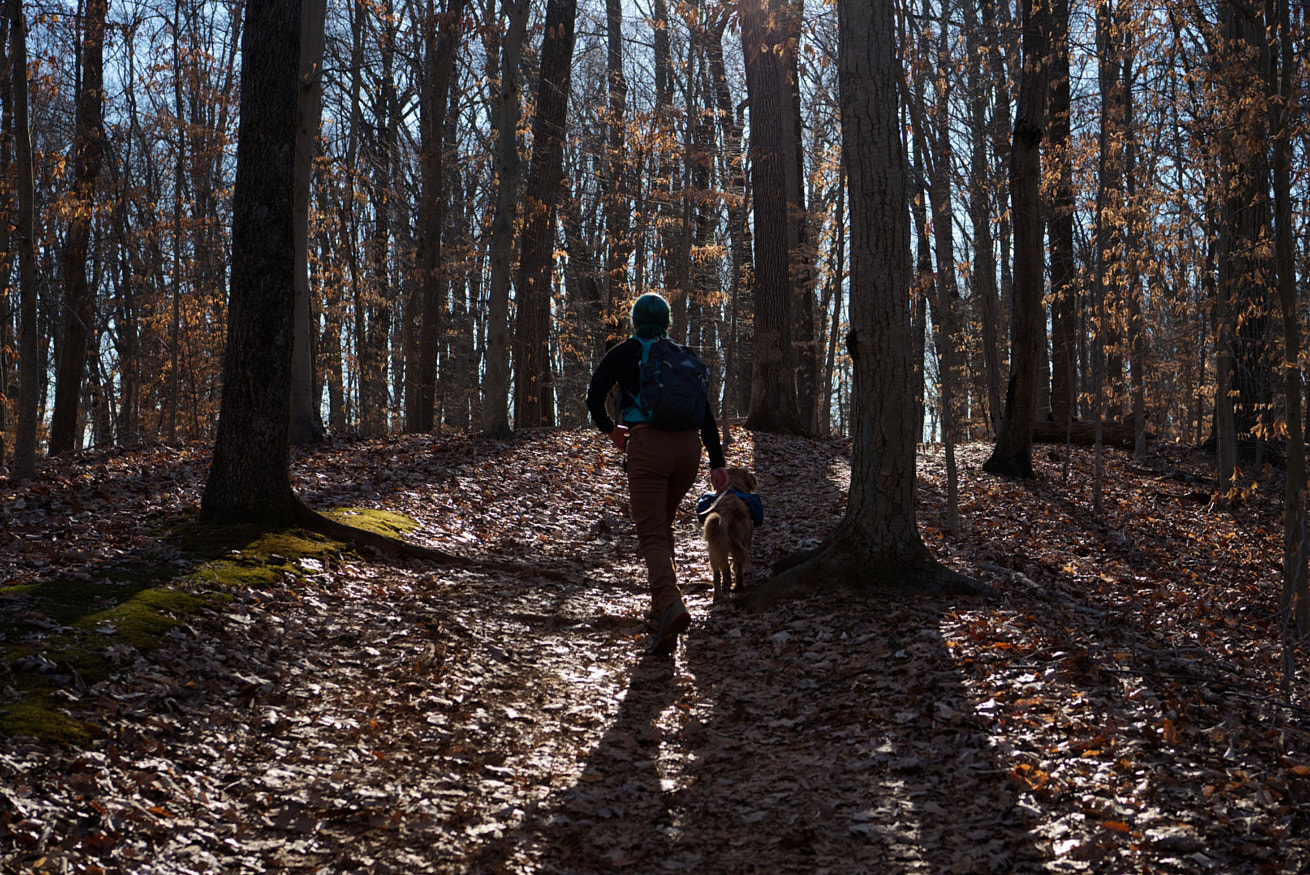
1012,455
250,475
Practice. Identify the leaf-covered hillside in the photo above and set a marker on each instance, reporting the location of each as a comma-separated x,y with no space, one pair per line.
1118,708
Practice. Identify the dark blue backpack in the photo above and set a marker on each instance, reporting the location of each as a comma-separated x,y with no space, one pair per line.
674,387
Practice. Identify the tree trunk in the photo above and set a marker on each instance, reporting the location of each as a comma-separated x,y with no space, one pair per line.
441,44
8,390
1012,455
667,215
29,359
533,381
1134,245
495,404
87,159
773,405
618,205
1295,602
832,297
250,475
738,227
939,287
306,418
985,292
877,546
375,337
803,249
1064,273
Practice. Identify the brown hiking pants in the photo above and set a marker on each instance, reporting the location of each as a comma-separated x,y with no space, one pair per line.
662,467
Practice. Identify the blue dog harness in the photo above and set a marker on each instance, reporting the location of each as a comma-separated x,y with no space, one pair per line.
753,502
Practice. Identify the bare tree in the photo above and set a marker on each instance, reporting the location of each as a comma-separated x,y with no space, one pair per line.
534,393
1012,455
250,474
876,546
29,364
764,40
441,43
88,158
495,404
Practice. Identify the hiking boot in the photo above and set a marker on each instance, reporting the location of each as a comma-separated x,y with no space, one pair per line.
674,622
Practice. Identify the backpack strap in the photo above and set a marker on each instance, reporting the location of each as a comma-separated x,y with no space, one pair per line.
634,415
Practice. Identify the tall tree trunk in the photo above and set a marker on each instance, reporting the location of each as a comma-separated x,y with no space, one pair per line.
442,41
374,385
533,381
618,203
7,215
306,418
833,297
985,292
1106,366
351,220
88,158
1012,455
667,214
175,287
738,210
1295,601
1064,288
877,546
773,405
803,251
250,475
939,287
1136,327
495,403
29,359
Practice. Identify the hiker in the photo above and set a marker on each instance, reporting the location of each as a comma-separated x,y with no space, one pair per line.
662,439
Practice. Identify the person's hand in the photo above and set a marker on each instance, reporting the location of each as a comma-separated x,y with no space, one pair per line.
719,479
619,437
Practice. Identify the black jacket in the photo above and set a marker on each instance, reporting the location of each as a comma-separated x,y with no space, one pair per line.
622,365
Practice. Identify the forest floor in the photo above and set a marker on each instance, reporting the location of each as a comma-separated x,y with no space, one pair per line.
1120,707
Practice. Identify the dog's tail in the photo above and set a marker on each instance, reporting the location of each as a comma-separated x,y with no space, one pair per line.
712,524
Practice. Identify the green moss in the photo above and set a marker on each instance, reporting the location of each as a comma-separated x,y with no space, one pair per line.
36,717
81,625
382,522
142,619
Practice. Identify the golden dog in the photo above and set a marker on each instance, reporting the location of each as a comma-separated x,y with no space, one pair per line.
728,531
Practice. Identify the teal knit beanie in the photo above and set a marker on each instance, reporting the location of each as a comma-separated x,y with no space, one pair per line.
650,316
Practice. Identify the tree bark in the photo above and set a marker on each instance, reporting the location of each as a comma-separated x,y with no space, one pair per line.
87,159
306,418
618,203
773,405
533,381
495,405
876,547
441,45
1295,601
738,227
250,474
1012,455
1064,287
985,292
29,360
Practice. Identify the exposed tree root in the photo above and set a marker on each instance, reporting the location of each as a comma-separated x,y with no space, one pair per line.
845,562
323,525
